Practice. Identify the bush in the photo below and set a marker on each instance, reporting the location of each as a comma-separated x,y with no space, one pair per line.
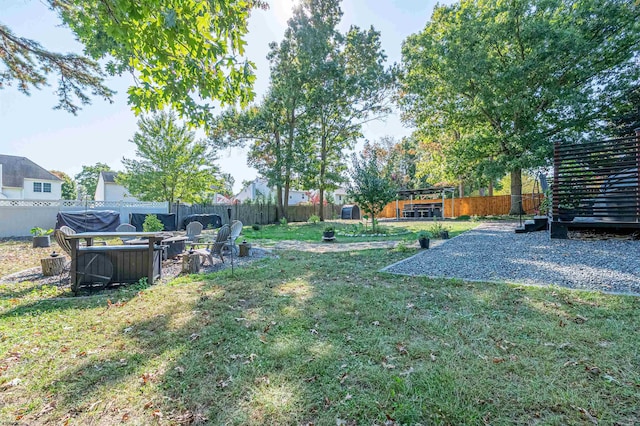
284,221
329,228
424,234
256,227
314,218
437,230
152,224
40,232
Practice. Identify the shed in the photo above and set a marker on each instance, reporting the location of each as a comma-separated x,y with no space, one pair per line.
350,211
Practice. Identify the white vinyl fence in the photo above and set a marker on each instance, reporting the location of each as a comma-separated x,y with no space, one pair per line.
17,217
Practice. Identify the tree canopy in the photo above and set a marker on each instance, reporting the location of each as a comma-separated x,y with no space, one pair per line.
68,185
172,165
494,84
182,53
371,186
87,179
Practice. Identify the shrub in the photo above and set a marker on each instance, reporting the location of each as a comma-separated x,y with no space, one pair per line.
314,218
424,234
329,228
152,224
256,227
437,230
284,221
40,232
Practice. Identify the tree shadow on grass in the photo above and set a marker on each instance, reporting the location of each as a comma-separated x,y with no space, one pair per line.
315,338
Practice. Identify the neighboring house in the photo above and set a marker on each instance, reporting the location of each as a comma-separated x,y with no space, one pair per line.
22,179
258,189
340,196
108,190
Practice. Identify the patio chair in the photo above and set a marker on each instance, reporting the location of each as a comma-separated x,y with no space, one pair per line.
215,247
194,231
60,235
126,227
70,231
236,230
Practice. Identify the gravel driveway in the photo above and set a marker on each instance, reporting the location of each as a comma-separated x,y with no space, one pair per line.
494,252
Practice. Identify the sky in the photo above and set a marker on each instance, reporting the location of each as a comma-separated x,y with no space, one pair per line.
102,132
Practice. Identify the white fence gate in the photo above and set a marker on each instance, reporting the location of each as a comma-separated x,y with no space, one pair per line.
17,217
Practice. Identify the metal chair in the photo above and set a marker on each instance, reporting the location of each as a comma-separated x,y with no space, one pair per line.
126,227
194,231
216,247
236,230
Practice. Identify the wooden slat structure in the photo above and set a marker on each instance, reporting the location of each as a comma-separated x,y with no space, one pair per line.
596,185
103,265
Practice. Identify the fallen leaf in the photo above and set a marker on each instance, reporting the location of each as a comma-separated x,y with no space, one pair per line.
579,319
313,331
376,323
433,357
586,414
148,405
157,413
125,417
194,336
497,360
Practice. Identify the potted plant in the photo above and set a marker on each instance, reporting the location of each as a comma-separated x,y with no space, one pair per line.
423,239
329,232
41,237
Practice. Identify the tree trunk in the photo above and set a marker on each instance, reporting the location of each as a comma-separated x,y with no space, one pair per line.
280,206
516,192
285,202
323,160
491,188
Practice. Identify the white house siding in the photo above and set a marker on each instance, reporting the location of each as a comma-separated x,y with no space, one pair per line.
99,195
115,192
297,197
29,194
12,193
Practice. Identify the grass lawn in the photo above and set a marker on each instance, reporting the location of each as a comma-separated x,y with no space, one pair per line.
323,340
397,231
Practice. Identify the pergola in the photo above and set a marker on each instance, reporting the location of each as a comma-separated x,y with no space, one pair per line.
432,190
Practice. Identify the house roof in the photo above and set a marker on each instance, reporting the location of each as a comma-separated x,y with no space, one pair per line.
16,169
109,177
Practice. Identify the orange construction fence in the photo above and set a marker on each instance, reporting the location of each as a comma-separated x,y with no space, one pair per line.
470,206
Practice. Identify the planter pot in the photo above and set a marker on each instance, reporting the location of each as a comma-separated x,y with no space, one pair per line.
424,243
42,241
328,234
566,215
444,235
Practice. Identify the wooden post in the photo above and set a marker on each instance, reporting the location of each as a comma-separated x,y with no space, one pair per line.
52,265
638,171
191,263
75,243
151,258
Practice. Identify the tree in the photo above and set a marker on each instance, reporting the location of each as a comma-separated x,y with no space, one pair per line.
227,181
625,117
181,52
87,179
68,185
346,85
172,165
371,188
496,83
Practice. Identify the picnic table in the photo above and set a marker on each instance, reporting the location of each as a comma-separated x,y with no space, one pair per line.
103,265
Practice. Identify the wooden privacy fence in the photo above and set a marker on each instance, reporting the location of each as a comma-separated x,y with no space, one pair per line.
261,213
471,206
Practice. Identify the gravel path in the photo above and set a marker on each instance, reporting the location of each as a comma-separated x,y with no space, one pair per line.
493,252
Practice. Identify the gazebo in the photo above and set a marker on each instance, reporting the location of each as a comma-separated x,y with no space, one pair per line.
421,208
